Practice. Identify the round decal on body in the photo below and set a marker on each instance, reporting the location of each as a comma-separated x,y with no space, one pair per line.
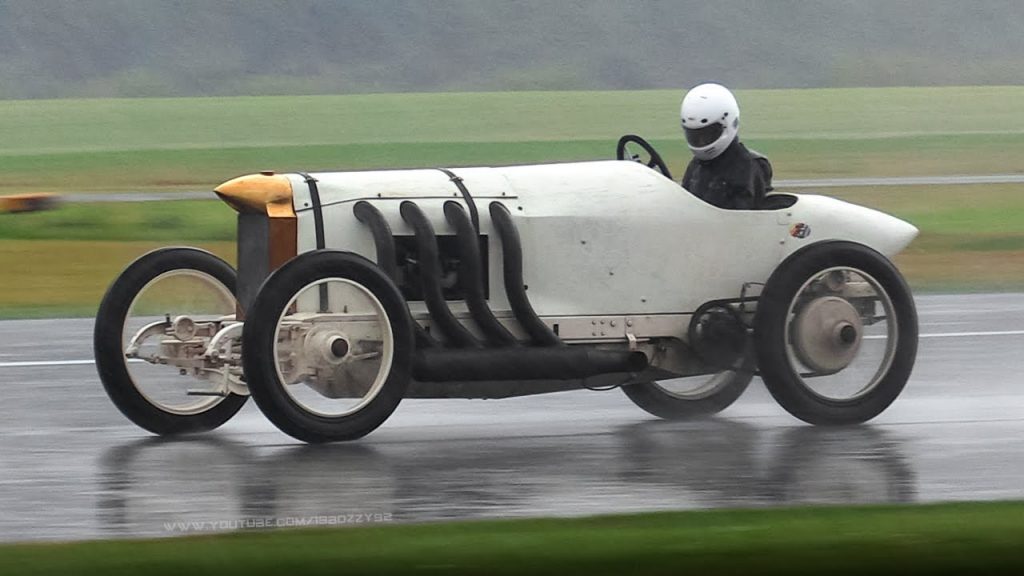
800,230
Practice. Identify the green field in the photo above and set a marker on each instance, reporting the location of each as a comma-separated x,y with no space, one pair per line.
935,540
972,236
163,221
60,278
144,144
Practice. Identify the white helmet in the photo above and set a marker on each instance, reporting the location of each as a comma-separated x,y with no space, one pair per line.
711,120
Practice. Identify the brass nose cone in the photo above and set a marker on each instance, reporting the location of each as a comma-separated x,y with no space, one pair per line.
265,193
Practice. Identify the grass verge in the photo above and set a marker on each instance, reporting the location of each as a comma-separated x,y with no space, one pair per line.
165,221
39,126
936,539
145,144
60,278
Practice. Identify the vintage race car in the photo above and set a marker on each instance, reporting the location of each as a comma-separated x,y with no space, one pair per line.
355,290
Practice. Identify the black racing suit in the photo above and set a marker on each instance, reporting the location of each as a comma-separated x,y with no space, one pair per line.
736,179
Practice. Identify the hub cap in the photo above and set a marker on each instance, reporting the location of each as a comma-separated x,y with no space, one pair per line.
827,334
841,334
334,347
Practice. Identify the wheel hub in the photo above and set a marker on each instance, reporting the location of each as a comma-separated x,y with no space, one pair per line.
183,328
339,347
828,333
327,346
333,363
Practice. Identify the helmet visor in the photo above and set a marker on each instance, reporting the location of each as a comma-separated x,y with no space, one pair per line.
703,136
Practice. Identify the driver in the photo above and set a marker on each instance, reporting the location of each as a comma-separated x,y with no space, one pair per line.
723,171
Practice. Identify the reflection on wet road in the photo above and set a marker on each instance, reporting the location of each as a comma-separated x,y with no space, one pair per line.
649,465
72,467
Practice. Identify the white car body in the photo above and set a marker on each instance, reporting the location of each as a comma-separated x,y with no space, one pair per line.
607,239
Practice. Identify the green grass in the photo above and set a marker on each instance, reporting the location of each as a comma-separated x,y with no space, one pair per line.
940,539
950,217
834,114
67,145
204,168
165,221
61,278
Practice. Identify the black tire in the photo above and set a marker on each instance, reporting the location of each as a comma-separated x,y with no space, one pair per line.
780,377
260,335
108,346
655,400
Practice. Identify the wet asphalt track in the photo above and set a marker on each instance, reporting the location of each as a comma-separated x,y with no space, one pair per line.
72,467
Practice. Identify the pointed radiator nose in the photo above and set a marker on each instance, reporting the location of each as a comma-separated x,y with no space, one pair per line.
889,234
263,193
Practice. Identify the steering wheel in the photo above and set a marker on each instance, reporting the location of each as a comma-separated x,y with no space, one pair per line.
655,161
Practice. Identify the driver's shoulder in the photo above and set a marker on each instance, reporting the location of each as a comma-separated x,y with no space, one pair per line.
760,160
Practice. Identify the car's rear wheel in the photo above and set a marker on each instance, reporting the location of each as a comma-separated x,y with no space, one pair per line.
328,348
719,347
153,324
690,397
836,334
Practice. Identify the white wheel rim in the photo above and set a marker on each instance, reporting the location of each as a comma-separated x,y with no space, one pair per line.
168,382
356,315
878,344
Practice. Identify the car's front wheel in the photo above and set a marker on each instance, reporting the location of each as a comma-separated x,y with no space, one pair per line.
836,334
